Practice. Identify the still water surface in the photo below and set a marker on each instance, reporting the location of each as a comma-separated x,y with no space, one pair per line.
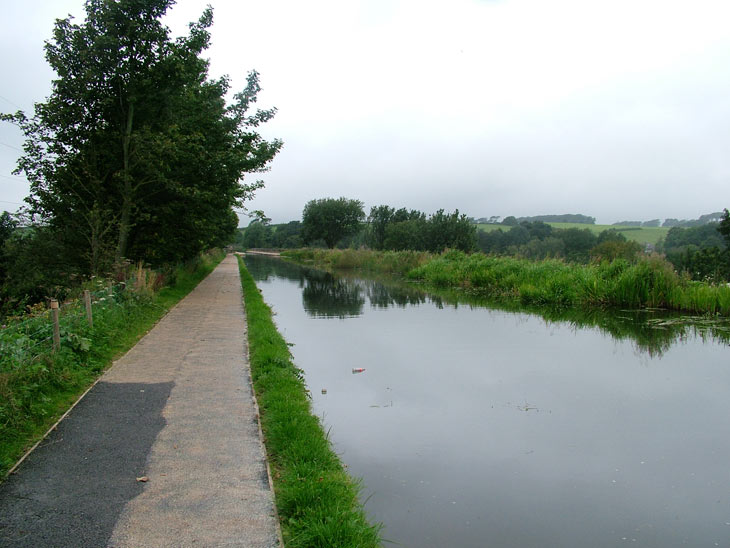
478,427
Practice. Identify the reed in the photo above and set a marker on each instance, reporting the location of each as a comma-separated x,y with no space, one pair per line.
650,282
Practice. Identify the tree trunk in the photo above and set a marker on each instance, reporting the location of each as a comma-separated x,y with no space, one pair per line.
125,218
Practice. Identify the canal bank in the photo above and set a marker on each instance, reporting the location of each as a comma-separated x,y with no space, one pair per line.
316,497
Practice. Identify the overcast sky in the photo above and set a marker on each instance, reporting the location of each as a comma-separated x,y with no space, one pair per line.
616,109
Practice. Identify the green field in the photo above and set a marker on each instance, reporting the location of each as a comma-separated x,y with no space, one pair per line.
641,234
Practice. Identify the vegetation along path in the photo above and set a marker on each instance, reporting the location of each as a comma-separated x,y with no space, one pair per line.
164,451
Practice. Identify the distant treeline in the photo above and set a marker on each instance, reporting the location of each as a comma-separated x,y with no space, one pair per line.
715,217
565,218
701,251
386,228
261,235
400,229
539,240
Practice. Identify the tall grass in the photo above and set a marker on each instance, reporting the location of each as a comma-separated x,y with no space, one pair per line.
395,262
37,385
650,282
317,501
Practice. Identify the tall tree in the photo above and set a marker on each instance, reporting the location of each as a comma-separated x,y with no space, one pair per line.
136,154
331,219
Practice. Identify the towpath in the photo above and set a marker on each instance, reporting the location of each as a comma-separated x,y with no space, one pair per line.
176,410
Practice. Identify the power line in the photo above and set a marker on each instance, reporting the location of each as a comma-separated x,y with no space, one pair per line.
11,146
14,203
14,178
11,102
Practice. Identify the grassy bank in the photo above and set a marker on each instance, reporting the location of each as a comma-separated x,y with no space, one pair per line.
392,262
651,282
317,501
38,385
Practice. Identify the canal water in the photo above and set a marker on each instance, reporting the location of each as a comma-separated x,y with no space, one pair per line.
472,426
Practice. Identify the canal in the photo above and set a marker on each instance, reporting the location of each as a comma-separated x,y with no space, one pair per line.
473,426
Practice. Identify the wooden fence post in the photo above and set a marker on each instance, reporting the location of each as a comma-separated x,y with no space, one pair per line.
56,327
87,302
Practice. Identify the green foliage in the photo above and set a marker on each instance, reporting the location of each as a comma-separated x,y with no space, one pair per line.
700,251
649,282
257,235
37,385
135,154
724,227
35,269
287,236
704,236
331,220
316,500
539,240
396,262
612,249
398,230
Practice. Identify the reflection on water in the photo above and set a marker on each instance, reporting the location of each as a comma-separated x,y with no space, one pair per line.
328,296
474,426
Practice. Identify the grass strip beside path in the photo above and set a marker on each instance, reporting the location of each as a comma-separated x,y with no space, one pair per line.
316,499
35,393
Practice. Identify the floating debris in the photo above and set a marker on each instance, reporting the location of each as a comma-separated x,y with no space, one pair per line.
358,370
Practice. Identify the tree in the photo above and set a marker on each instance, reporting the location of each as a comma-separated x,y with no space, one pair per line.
724,227
288,235
578,243
331,219
7,227
378,220
403,235
135,154
257,235
614,248
450,230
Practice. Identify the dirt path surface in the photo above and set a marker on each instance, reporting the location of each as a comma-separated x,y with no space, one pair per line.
178,409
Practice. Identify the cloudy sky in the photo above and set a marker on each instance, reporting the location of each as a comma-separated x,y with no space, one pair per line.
617,109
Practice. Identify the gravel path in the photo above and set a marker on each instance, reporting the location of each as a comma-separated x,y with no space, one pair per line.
178,409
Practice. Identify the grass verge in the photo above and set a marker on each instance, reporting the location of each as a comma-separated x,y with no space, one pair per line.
316,499
35,392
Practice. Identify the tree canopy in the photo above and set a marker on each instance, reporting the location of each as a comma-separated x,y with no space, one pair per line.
136,154
331,219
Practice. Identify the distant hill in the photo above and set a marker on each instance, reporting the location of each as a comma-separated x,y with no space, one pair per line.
701,220
565,218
